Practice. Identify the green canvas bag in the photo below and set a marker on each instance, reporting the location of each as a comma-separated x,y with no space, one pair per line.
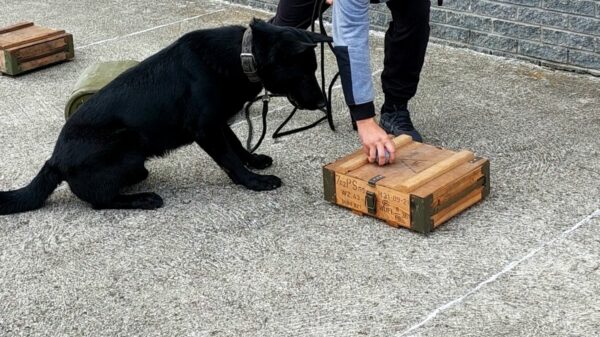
94,78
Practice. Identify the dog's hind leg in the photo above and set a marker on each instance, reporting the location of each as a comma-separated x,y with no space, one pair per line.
136,175
255,161
218,146
100,185
137,172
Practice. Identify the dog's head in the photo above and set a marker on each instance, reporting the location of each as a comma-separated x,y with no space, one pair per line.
286,63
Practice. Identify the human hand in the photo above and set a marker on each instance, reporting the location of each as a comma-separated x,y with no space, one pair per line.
329,2
375,141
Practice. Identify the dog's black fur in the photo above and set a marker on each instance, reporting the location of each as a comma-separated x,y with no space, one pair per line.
185,93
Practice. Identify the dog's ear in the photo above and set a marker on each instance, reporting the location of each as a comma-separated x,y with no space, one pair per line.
284,40
318,38
256,21
309,40
298,47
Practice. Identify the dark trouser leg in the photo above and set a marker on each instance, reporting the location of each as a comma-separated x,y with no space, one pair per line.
297,13
405,45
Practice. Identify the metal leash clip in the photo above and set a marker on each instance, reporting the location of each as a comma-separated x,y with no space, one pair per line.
266,97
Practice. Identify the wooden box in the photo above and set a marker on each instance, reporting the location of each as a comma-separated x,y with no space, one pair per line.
25,47
423,188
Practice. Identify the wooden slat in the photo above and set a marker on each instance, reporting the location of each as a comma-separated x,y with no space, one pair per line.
444,183
435,171
360,159
342,166
39,49
452,200
401,141
454,187
410,161
460,206
334,165
52,37
27,35
391,172
16,26
394,224
2,61
44,61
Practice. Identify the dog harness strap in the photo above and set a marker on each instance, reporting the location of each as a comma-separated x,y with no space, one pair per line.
248,61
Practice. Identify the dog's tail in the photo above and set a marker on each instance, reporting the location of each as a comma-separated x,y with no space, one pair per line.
33,195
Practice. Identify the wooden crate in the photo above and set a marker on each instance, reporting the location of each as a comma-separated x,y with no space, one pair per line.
423,188
25,46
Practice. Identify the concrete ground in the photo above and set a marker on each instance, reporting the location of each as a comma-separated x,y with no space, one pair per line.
219,260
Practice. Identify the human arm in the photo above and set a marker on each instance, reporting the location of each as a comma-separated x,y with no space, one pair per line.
351,46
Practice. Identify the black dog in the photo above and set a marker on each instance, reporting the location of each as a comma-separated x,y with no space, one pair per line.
185,93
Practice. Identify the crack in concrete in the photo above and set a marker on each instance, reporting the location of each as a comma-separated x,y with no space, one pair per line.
150,29
506,269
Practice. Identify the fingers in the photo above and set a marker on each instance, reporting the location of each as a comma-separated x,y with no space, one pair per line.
381,154
391,149
372,153
367,151
378,146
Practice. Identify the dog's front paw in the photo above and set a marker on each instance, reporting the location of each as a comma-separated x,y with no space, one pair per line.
260,161
148,201
263,183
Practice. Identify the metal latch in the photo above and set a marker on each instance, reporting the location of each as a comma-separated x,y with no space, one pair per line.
370,198
371,202
373,181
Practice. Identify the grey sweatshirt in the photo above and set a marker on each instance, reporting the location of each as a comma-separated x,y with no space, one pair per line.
351,46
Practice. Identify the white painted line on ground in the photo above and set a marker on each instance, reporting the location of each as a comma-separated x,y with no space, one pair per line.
149,29
234,4
505,270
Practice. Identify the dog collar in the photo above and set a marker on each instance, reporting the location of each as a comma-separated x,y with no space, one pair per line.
248,60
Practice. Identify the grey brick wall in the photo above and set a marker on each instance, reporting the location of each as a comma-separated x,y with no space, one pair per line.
563,34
